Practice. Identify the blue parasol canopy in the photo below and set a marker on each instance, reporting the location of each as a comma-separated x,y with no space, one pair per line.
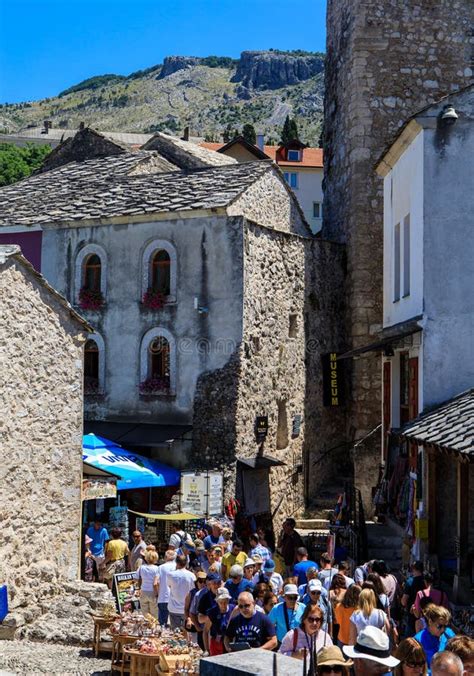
135,471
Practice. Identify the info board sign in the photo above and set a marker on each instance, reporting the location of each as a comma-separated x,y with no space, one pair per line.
202,493
125,591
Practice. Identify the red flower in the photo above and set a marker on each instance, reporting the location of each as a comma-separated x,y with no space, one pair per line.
153,299
90,300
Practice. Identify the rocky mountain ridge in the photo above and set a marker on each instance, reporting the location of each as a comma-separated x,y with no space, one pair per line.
208,94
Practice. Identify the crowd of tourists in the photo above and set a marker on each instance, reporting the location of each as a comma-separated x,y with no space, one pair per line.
230,597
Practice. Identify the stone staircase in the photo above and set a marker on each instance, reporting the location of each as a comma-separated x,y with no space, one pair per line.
385,542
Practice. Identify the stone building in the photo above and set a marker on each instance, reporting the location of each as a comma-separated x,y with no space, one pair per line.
197,282
427,341
41,352
301,165
385,61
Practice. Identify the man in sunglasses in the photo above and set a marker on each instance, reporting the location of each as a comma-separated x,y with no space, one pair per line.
249,629
287,614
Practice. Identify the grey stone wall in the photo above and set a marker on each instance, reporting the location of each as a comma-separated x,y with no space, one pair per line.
268,203
385,60
41,353
267,373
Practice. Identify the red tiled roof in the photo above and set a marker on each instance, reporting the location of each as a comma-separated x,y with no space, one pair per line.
312,157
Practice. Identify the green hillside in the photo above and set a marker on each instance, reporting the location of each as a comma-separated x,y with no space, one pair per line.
202,96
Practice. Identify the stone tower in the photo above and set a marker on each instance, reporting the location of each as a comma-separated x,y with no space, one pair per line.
386,59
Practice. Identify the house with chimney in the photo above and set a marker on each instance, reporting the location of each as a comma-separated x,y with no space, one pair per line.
301,165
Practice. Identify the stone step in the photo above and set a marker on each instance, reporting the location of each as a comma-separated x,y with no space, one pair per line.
312,524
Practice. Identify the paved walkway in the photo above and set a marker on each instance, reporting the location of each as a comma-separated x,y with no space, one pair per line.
25,657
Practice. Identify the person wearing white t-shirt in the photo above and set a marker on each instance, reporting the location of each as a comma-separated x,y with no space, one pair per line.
164,592
177,537
147,576
180,582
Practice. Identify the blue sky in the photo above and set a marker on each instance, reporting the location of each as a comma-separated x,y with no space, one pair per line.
49,45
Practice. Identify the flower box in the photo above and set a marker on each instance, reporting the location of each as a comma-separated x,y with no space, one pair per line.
153,299
90,300
152,386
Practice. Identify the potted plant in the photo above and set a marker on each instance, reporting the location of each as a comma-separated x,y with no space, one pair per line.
90,300
153,299
155,385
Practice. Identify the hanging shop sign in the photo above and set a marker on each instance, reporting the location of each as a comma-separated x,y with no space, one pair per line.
332,380
261,428
202,493
96,489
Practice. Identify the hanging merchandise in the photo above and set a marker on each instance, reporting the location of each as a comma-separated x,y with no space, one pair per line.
118,518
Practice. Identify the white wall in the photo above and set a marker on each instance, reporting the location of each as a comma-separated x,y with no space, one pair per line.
403,195
310,189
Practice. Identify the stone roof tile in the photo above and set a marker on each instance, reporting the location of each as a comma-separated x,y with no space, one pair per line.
104,188
449,426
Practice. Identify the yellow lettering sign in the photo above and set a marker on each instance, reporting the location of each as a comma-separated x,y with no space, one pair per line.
335,401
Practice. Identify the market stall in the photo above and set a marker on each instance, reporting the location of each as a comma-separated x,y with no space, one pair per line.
141,646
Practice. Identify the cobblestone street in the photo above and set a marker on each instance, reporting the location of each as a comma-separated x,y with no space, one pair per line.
26,657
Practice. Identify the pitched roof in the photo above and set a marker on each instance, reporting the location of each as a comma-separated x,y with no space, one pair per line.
56,134
186,154
100,189
8,251
312,157
449,426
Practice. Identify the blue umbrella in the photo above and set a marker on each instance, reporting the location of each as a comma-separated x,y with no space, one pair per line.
136,470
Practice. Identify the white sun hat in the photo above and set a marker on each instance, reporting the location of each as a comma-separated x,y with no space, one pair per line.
372,644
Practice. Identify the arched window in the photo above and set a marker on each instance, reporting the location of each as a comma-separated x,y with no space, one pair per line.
91,367
160,272
94,365
90,278
158,362
92,273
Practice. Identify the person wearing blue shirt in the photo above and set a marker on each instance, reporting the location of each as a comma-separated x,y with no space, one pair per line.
434,638
287,614
236,584
300,569
99,536
215,537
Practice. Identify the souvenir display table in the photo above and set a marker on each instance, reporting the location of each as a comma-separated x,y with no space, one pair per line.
102,624
141,647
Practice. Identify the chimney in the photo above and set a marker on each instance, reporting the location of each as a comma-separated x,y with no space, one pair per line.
185,136
260,141
47,126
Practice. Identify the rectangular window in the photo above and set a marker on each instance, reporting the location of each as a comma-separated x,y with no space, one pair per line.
404,388
294,156
291,178
317,210
406,256
396,264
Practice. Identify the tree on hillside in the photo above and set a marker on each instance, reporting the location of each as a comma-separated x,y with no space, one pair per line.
17,163
249,133
289,131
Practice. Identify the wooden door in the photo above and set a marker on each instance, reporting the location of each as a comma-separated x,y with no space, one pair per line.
387,405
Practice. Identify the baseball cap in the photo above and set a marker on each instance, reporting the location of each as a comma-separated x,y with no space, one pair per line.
222,593
213,577
249,562
236,571
269,564
315,585
257,558
290,590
